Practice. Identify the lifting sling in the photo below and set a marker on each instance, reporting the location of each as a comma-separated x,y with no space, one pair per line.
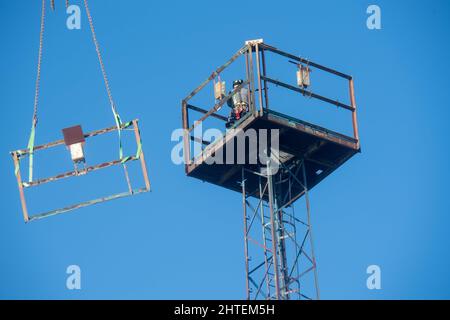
116,115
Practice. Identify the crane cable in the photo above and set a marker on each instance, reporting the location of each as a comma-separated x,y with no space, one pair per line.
110,97
117,118
36,96
52,4
105,77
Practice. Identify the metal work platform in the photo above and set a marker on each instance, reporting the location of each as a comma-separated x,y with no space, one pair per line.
322,149
296,156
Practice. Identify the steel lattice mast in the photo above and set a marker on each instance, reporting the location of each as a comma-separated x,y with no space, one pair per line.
280,261
272,225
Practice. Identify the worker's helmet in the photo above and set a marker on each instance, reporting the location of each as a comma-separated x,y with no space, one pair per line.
237,82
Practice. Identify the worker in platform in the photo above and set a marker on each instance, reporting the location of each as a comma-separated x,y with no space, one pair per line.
238,104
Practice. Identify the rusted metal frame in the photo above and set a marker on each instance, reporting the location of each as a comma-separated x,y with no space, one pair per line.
255,210
309,231
299,252
247,73
290,171
204,142
254,214
266,259
287,222
308,257
20,185
187,151
186,135
23,152
75,173
291,216
141,156
292,200
300,275
216,73
263,279
294,280
127,176
295,218
282,243
256,268
305,61
256,242
253,283
314,130
18,153
273,231
297,248
305,272
217,106
252,80
289,193
270,277
294,284
292,221
244,207
97,167
260,192
264,73
259,286
258,75
86,203
354,117
309,93
220,142
214,115
308,212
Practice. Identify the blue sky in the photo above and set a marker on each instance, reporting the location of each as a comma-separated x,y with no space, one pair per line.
386,206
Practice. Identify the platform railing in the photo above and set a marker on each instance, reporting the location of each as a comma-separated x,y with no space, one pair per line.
246,51
263,78
255,62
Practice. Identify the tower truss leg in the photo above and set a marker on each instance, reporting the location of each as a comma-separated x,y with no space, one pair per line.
279,249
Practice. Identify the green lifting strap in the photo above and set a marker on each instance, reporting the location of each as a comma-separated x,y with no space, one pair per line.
127,124
31,151
119,131
138,153
139,149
